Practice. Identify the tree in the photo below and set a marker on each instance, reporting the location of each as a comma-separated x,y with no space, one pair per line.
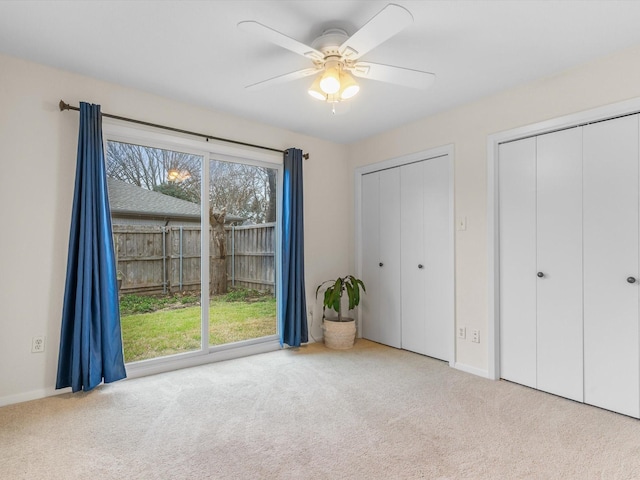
271,206
176,190
149,168
247,191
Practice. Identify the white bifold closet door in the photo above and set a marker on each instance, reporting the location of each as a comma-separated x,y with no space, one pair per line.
559,263
541,262
381,307
427,306
518,281
611,373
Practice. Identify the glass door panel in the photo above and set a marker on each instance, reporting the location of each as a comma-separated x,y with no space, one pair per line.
243,216
155,199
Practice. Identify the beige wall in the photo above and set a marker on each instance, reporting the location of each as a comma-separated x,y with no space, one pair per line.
608,80
38,155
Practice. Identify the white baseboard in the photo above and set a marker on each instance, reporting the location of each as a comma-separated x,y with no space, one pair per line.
473,370
31,395
143,369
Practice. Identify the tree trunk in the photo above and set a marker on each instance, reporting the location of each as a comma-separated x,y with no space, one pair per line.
271,205
218,267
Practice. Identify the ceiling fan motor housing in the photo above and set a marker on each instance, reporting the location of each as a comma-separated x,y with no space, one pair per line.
329,44
330,40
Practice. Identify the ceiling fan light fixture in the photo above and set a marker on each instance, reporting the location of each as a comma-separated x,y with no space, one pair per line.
330,80
315,91
349,87
173,175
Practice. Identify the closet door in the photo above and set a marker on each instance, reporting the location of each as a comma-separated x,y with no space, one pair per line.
370,321
412,233
381,256
438,268
611,353
517,204
427,277
559,263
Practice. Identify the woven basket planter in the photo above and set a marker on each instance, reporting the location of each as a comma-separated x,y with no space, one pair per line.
339,335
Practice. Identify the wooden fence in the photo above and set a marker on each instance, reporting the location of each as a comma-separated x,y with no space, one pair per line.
251,256
157,259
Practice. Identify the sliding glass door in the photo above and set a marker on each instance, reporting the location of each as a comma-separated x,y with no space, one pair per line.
191,282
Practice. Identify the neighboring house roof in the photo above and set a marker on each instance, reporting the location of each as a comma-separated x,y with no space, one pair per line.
129,200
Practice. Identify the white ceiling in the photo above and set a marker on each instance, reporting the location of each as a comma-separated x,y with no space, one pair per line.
192,51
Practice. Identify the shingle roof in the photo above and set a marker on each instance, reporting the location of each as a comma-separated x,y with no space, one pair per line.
127,199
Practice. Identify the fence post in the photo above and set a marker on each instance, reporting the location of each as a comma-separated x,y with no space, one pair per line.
180,274
233,256
164,260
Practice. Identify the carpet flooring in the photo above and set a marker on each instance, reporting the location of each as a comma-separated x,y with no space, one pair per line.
371,412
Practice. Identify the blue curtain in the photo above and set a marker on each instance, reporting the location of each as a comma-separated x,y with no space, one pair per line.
293,321
91,339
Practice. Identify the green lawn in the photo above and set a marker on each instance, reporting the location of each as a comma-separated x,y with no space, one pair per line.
158,326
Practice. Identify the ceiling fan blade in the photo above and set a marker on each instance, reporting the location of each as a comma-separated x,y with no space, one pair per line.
281,39
388,22
287,77
391,74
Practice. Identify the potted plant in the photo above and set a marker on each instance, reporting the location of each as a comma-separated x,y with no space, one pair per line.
340,333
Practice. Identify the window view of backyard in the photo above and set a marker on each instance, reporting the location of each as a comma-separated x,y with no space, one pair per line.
155,199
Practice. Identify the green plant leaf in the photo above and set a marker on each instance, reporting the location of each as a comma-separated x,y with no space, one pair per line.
328,295
350,293
333,293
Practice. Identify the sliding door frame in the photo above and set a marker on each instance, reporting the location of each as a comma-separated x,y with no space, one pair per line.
114,130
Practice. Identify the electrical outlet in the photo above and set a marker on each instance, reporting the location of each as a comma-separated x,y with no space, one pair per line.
37,344
462,333
475,336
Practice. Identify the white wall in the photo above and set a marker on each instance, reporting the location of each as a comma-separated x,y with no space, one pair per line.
608,80
38,155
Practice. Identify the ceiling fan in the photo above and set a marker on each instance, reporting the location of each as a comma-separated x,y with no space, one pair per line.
336,55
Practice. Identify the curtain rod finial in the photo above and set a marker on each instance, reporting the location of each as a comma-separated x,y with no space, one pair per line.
63,106
305,156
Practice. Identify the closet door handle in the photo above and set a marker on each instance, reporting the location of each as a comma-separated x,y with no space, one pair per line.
540,274
420,265
631,280
381,264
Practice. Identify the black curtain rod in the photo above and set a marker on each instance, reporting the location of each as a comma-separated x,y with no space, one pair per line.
65,106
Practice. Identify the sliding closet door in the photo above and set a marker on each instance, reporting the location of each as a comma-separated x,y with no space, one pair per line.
559,263
611,353
517,203
381,256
